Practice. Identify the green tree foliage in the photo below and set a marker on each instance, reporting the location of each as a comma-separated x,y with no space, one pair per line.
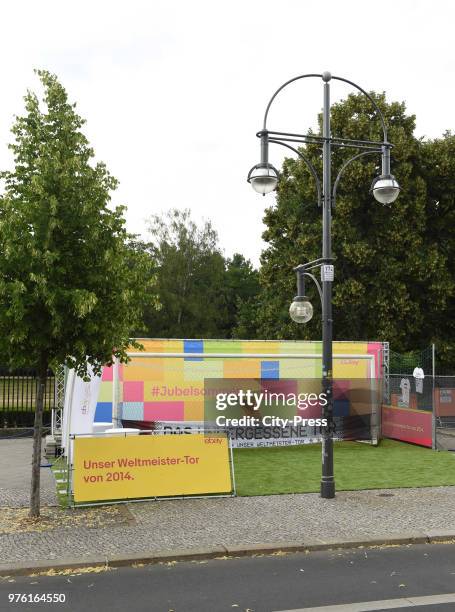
394,272
72,285
190,271
437,162
200,291
241,287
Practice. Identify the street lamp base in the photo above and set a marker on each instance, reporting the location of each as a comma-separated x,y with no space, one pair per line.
328,489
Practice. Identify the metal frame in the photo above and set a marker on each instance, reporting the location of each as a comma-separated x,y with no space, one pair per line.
328,198
72,504
249,355
433,412
386,371
72,437
59,393
376,410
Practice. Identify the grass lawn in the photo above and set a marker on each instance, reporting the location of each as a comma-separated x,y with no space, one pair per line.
60,471
297,469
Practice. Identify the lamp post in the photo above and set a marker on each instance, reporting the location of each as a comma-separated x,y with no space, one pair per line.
264,179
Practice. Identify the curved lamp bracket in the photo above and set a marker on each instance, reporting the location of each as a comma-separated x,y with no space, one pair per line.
305,76
302,76
307,162
376,107
301,283
342,169
315,280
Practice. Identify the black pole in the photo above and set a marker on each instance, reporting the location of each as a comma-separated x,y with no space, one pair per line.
300,283
327,480
327,273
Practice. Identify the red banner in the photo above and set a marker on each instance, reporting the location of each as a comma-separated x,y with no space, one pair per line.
408,425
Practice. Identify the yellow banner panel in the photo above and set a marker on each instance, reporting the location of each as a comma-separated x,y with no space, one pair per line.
350,348
132,467
345,368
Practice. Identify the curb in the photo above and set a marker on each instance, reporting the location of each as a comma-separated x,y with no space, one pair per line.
194,554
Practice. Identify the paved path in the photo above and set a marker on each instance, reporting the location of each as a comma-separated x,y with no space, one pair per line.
159,526
15,471
261,584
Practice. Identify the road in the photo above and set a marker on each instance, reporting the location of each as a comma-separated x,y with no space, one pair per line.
260,584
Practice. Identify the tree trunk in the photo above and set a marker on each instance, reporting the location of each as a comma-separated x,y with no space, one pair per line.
37,433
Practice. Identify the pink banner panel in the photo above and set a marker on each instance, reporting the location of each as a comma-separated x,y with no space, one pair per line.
375,348
164,411
108,373
407,425
341,389
133,391
279,386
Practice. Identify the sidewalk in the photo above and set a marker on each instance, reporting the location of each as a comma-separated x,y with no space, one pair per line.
15,474
164,527
219,525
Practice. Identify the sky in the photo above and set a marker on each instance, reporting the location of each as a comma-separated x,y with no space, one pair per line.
174,92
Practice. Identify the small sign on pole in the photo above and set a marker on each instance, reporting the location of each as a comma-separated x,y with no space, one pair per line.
327,272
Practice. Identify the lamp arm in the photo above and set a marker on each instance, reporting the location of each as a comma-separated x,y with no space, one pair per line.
304,76
376,107
343,167
307,162
315,280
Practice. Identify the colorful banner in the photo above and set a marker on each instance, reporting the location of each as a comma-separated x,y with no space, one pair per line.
407,425
132,467
172,388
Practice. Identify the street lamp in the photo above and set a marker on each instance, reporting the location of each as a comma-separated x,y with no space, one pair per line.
264,179
385,189
301,309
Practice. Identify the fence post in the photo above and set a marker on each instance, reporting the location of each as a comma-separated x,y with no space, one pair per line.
115,394
433,406
386,372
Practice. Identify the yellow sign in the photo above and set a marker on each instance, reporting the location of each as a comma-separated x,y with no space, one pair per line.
150,466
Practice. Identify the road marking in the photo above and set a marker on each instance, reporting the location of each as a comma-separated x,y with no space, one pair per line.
384,604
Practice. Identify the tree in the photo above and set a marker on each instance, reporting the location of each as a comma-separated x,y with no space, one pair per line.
394,278
200,290
241,287
438,170
72,285
190,276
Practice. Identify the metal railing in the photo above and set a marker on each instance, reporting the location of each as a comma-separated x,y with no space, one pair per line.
18,393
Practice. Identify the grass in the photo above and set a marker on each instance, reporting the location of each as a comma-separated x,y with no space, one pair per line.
59,469
297,469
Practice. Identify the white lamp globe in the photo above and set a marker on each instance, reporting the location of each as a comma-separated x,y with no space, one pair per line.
385,189
301,310
263,178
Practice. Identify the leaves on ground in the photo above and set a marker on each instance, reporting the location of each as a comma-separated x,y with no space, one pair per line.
17,520
95,569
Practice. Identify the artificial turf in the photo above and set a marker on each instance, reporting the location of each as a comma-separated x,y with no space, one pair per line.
297,469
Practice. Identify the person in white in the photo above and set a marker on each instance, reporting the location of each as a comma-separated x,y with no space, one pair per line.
418,377
405,387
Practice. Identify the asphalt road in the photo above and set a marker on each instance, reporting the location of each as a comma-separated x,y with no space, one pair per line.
259,584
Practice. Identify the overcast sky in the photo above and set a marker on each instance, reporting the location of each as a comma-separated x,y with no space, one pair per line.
174,92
